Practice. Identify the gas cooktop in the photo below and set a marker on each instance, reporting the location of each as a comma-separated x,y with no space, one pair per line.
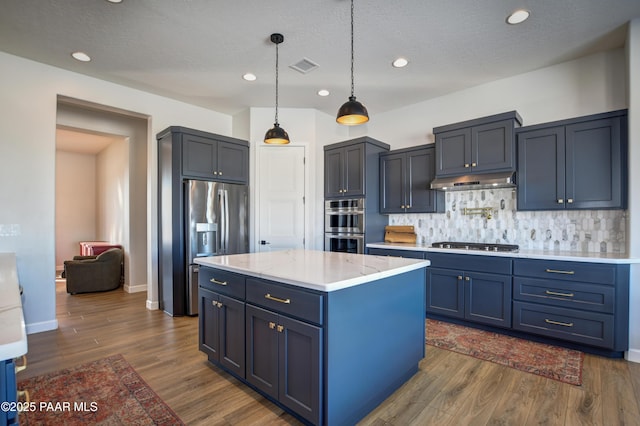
476,246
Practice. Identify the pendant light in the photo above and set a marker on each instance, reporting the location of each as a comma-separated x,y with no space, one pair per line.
276,135
352,112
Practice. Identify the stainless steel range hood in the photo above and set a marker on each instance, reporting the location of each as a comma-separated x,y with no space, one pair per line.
476,181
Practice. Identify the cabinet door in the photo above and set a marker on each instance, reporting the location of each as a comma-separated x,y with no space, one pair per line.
541,169
594,164
232,162
445,292
333,173
300,371
492,147
392,191
262,349
198,156
354,170
453,150
209,330
420,171
488,298
232,338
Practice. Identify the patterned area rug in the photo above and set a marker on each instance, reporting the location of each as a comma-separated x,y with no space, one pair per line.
564,365
105,392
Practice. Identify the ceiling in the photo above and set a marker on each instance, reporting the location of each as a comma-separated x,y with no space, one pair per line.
197,50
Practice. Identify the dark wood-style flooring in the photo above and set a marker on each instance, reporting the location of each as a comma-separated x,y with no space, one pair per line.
449,389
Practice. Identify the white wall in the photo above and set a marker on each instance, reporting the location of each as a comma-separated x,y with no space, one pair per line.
633,230
29,93
586,86
75,201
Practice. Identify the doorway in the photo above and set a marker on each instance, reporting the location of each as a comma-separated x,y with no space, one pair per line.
119,174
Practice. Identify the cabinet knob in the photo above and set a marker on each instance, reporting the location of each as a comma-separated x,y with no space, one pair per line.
272,325
466,164
460,277
280,328
402,206
473,164
220,173
215,173
467,279
570,200
560,201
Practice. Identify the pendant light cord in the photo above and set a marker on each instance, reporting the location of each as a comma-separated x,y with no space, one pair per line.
352,84
276,83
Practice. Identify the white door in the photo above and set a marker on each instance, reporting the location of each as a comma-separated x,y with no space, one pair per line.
280,187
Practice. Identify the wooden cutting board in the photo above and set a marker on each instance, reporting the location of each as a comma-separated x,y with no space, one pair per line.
399,234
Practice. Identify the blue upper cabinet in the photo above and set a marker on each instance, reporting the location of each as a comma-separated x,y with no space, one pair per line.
405,175
579,163
482,145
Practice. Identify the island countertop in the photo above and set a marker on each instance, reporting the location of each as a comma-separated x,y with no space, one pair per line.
316,270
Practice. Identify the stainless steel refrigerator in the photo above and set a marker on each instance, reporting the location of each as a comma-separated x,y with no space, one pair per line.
216,223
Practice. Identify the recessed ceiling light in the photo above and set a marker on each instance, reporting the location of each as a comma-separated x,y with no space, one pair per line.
249,77
81,56
400,63
323,92
518,16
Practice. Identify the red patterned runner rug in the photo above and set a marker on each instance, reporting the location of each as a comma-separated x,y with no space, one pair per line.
564,365
107,392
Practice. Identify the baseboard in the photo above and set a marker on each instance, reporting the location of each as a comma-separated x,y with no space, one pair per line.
632,355
153,306
135,288
39,327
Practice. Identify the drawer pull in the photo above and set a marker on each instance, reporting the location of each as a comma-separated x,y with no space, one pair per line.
555,293
564,324
213,280
22,367
276,299
556,271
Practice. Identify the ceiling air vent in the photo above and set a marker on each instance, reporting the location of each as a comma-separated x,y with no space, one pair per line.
304,66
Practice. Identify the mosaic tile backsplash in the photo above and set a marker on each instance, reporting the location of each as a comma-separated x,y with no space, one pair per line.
601,231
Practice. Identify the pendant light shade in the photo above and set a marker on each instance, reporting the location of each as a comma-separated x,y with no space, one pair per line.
276,135
352,112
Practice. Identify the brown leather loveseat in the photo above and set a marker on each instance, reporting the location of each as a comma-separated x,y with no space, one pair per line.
87,274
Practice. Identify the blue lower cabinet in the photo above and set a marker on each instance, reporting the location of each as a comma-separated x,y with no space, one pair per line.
471,293
283,360
8,393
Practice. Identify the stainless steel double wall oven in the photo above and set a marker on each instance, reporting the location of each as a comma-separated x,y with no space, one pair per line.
344,225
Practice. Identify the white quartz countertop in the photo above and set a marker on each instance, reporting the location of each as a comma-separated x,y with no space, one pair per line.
522,254
317,270
13,336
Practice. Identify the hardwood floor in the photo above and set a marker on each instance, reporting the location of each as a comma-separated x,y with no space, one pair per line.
449,389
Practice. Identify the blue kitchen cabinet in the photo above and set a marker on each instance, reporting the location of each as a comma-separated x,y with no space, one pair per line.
405,175
578,302
573,164
481,145
8,391
351,168
221,319
471,288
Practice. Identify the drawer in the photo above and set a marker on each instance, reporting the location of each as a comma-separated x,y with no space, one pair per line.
591,328
287,300
470,262
411,254
591,297
570,271
223,282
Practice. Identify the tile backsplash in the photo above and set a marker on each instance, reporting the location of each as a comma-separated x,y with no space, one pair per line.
601,231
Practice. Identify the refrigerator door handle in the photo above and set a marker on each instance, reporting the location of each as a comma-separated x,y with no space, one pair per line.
226,221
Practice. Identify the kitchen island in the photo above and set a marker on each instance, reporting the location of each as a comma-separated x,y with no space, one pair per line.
327,336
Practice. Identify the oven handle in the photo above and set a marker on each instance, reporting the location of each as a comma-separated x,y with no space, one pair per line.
358,236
